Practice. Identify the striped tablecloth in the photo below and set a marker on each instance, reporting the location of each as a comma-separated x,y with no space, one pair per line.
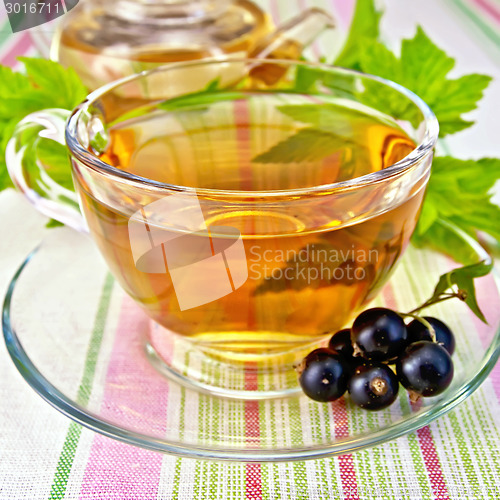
45,456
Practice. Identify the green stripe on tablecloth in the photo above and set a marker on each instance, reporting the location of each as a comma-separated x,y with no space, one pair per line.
67,456
463,447
416,456
378,452
485,28
178,462
265,468
321,424
207,474
5,32
474,430
203,418
298,468
267,471
271,472
362,458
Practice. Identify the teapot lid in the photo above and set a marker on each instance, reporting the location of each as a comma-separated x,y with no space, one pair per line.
167,12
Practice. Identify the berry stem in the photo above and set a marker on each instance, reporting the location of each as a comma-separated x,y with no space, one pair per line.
414,396
427,325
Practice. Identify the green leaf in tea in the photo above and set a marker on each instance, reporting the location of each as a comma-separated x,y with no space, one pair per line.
297,272
326,116
210,94
333,129
308,144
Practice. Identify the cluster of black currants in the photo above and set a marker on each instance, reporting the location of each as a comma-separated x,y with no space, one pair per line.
359,359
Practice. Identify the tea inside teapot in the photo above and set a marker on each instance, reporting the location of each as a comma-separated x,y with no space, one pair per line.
108,39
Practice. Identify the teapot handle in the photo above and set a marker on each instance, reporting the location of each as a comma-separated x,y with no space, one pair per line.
288,41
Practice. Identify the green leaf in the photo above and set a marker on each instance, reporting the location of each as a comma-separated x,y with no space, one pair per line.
470,175
428,216
457,97
299,273
364,29
445,238
199,100
306,78
53,223
211,94
55,160
331,130
485,218
46,84
328,116
62,86
463,278
459,191
307,144
12,83
422,68
213,85
423,65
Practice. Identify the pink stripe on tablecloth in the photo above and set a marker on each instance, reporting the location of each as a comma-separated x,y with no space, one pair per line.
432,463
344,10
19,48
275,11
346,462
488,298
136,397
389,297
253,473
488,8
242,121
425,440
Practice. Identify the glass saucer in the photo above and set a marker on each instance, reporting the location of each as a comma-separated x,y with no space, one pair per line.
82,345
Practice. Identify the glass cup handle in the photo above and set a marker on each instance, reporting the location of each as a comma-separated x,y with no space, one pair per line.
37,166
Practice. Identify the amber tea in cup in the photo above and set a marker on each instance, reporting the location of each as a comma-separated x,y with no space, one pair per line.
250,220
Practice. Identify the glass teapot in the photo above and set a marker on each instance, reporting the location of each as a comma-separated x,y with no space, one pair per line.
109,39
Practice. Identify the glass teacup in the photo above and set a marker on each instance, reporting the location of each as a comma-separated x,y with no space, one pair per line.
249,207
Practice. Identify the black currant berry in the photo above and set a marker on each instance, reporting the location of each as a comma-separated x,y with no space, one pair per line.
373,386
341,343
425,368
444,336
324,375
380,334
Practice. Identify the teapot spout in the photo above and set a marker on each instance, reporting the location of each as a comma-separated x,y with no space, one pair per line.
289,39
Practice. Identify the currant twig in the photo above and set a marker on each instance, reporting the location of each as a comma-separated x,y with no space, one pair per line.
460,294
